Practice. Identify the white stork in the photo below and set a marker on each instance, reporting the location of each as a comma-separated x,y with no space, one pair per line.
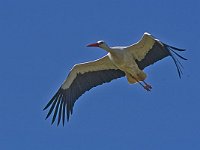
120,61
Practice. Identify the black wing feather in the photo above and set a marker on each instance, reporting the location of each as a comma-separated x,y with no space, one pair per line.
160,51
65,98
56,109
60,112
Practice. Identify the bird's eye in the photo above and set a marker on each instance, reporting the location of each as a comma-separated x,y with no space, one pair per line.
101,42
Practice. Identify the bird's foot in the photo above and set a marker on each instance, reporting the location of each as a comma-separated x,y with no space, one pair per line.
147,87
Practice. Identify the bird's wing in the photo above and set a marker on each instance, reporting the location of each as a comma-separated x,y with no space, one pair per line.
150,50
81,78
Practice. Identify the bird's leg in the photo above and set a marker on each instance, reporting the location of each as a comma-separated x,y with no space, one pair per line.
142,76
146,86
134,77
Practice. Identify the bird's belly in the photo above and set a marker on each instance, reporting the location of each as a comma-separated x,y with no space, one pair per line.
120,60
128,67
125,65
124,62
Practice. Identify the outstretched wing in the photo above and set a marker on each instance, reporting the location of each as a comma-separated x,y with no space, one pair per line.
150,50
81,78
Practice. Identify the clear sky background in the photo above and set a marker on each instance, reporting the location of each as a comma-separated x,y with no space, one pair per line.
40,40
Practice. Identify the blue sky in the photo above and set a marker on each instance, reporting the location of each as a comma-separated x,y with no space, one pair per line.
42,39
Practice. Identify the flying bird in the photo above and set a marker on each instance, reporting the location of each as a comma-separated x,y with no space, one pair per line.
128,61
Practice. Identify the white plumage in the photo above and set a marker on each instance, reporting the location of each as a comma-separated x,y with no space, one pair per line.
126,61
103,63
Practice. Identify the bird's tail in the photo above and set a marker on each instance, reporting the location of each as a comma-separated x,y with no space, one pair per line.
173,53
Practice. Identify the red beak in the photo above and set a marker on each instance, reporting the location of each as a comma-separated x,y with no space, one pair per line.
93,45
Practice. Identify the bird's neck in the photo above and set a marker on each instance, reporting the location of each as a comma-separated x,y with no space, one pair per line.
108,49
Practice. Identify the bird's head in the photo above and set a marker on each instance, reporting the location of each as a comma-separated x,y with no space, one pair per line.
100,44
